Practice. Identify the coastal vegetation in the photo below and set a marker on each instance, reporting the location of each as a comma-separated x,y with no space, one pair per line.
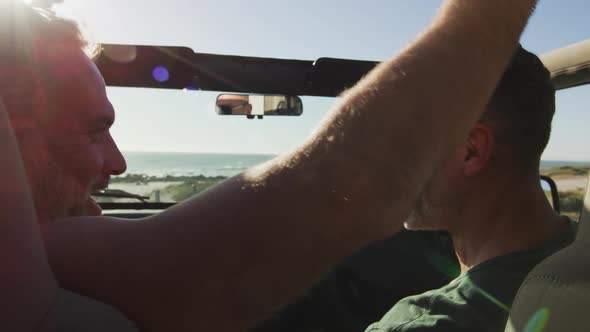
565,172
571,184
571,198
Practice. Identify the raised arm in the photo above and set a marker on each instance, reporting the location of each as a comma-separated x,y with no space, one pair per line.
27,285
232,254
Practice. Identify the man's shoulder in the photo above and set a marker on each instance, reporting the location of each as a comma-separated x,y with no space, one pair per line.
501,276
426,324
443,309
478,300
462,305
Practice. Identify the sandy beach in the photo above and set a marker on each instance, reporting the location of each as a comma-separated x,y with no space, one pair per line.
144,189
572,183
172,189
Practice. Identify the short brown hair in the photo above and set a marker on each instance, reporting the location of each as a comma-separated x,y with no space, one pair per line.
28,36
521,109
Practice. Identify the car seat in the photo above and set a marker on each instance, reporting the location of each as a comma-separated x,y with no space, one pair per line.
555,296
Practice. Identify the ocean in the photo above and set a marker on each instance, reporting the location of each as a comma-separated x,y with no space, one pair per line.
212,164
191,164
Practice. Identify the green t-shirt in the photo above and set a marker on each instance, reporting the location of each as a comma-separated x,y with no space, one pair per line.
477,300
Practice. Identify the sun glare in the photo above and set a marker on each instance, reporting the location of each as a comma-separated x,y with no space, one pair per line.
45,4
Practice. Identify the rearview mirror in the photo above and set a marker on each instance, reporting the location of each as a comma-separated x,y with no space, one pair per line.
256,105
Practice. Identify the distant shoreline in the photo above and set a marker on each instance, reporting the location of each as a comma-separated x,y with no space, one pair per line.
565,174
261,154
180,163
569,178
571,183
144,178
548,164
544,163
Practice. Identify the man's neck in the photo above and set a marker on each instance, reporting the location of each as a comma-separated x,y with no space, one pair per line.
511,219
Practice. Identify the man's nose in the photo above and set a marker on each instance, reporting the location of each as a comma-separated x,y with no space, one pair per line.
114,160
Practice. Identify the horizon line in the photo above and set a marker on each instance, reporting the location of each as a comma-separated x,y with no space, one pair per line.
277,154
201,152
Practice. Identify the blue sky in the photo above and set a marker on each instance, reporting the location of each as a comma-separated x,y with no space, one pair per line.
304,29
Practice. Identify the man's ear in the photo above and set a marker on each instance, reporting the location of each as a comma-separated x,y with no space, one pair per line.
479,148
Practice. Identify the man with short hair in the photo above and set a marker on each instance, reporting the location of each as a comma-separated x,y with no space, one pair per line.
60,116
67,153
488,197
177,275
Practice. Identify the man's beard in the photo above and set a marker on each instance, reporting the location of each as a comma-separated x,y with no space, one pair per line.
421,217
55,195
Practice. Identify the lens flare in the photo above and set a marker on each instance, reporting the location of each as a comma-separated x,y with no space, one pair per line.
161,74
538,322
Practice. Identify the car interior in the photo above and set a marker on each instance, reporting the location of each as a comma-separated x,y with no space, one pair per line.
360,289
557,288
239,111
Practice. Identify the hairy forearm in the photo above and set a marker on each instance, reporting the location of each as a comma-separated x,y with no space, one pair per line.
359,176
415,108
235,252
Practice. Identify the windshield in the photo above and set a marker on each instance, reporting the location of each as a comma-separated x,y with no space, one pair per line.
176,145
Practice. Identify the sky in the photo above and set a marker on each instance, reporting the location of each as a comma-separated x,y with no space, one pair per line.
156,120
